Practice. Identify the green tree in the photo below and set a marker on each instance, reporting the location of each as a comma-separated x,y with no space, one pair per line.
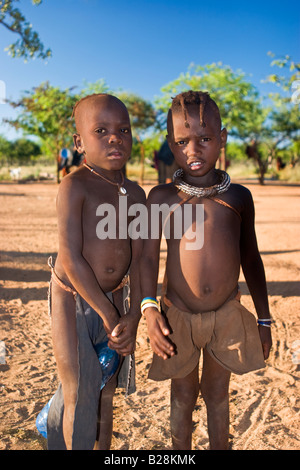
5,150
19,151
28,45
23,150
291,75
284,116
45,112
142,117
99,86
238,99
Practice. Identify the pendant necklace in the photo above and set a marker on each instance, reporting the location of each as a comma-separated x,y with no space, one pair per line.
120,186
221,187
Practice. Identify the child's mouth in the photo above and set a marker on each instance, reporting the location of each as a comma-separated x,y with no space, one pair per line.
195,165
115,154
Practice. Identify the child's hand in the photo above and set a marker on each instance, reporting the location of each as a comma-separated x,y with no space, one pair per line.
111,321
123,337
266,340
158,331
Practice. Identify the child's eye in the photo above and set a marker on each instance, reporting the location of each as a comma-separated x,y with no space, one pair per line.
100,130
180,142
205,139
124,131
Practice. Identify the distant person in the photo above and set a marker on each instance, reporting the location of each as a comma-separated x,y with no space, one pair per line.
200,304
166,164
65,161
78,158
68,159
90,282
155,160
279,164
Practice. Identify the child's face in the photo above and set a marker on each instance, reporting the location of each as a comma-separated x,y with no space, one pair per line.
104,134
196,148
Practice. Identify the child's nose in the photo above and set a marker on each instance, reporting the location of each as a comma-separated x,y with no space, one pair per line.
115,137
193,148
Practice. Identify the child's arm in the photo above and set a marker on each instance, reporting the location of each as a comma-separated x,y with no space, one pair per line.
253,270
70,201
157,326
123,337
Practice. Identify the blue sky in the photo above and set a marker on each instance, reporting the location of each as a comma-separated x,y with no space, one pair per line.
140,46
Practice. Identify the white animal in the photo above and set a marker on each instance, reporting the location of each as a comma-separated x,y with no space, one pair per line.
15,173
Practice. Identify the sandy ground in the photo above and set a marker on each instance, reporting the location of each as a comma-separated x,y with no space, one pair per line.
264,405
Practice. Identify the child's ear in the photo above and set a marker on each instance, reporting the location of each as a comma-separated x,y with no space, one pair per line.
78,143
223,137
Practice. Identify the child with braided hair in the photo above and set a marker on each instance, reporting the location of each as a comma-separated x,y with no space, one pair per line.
200,303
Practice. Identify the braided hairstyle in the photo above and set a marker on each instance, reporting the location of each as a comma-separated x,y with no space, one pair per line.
190,98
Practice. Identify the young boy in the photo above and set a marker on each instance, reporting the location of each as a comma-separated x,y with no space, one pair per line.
200,307
88,285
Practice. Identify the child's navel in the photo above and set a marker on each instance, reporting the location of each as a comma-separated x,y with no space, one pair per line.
206,290
110,270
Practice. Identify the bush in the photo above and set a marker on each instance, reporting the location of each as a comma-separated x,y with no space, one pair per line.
18,152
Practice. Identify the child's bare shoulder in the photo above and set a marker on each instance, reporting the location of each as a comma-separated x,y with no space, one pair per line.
161,193
72,186
241,192
136,191
241,198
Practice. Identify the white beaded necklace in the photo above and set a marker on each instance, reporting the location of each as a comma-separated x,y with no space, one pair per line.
202,192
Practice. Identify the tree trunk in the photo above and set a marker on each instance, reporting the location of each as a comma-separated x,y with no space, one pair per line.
142,164
253,152
57,163
142,161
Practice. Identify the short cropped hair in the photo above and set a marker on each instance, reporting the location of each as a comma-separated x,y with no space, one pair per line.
184,100
92,97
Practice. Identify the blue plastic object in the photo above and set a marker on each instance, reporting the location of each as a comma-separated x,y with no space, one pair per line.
109,361
41,420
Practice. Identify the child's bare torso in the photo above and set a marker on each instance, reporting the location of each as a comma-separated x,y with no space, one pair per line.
203,279
108,258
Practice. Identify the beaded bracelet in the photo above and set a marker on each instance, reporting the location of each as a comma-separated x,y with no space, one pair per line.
148,302
149,299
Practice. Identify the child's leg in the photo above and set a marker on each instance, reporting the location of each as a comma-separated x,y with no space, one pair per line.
184,394
105,422
214,388
64,337
105,419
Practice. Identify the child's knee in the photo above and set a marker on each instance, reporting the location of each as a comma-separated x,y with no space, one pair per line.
184,397
70,395
214,394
